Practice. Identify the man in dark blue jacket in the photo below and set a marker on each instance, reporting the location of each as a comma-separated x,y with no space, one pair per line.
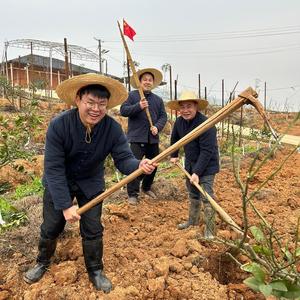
144,139
201,158
77,144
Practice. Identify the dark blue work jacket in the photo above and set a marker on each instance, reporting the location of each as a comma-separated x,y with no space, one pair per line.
138,124
70,159
201,154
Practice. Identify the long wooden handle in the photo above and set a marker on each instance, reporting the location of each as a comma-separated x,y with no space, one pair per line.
213,203
135,77
214,119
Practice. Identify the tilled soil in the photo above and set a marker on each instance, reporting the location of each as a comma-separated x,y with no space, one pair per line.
146,257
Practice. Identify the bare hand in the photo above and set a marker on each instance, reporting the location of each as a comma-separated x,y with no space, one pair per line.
143,103
154,130
194,178
174,160
70,214
147,166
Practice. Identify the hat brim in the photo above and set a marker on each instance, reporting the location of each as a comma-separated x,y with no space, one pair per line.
174,104
156,73
69,88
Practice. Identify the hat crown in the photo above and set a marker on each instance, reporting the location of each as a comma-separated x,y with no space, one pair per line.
188,95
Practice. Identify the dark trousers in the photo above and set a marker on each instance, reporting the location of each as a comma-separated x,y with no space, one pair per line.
54,221
207,182
140,151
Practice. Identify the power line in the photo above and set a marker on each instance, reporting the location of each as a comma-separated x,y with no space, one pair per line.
218,53
217,35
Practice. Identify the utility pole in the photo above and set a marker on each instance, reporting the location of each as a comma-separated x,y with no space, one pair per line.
100,52
222,105
171,94
6,64
199,84
66,59
105,60
100,58
265,96
71,70
175,96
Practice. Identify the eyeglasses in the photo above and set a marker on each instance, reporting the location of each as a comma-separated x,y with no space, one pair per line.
94,105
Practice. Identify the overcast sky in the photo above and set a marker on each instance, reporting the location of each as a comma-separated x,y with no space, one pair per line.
247,41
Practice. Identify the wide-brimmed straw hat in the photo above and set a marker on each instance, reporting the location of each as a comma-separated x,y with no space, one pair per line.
69,88
187,96
156,74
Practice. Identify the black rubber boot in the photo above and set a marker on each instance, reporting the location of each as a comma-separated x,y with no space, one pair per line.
209,220
46,250
93,252
194,215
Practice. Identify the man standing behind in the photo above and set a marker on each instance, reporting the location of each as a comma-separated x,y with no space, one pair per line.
144,139
201,158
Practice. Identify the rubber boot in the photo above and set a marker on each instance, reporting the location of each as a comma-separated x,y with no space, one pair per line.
194,215
209,220
46,250
93,252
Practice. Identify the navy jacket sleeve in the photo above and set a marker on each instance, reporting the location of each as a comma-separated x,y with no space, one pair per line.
130,107
162,119
123,157
207,147
54,165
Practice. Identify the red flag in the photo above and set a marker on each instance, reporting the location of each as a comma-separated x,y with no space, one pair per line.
127,30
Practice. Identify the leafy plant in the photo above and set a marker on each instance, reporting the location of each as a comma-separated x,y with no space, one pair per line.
11,216
274,259
16,134
34,187
283,281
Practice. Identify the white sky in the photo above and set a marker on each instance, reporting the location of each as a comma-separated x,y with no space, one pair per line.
246,41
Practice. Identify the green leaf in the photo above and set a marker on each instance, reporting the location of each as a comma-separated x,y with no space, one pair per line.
297,252
293,291
252,283
262,250
279,286
288,254
266,289
256,270
257,233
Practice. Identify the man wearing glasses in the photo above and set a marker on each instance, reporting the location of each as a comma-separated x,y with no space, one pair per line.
77,144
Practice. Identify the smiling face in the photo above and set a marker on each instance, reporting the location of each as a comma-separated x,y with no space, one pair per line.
147,81
91,108
188,109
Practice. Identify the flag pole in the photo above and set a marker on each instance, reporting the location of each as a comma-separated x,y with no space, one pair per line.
135,77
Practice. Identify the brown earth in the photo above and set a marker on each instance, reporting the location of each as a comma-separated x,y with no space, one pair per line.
146,257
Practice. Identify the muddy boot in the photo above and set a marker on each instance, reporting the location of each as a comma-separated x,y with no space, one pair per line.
93,252
209,220
194,215
46,250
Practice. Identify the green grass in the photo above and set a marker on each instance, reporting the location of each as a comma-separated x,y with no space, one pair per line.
34,187
226,149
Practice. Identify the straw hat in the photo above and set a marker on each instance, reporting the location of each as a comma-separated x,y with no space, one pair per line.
156,74
187,96
68,89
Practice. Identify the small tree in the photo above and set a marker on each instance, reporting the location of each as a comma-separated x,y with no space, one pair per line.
274,261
